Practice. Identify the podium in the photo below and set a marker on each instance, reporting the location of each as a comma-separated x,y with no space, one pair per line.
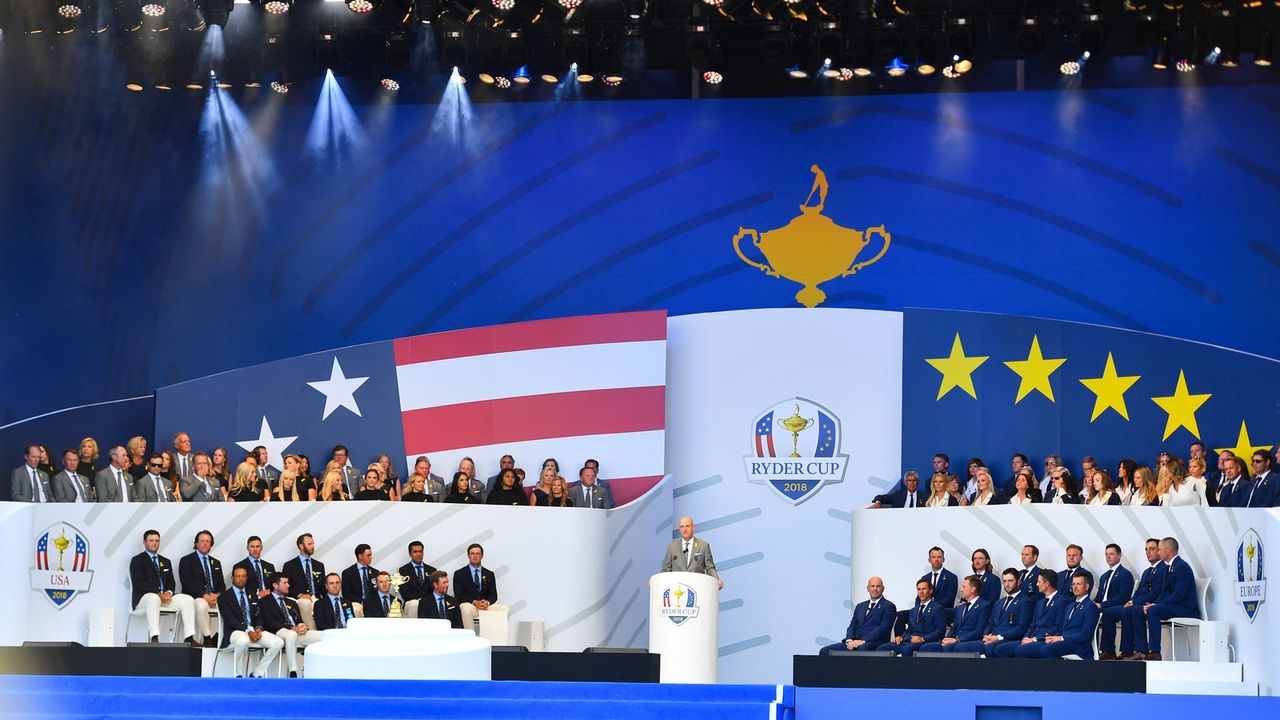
684,626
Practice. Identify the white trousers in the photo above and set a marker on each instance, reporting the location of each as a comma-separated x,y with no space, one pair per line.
293,641
240,644
204,626
410,609
469,614
306,607
149,606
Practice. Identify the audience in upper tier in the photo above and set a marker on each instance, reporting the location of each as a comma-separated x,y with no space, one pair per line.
1172,483
182,475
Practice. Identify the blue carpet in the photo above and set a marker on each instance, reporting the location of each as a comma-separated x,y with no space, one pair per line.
137,698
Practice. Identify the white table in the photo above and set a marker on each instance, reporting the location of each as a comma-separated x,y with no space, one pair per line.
400,649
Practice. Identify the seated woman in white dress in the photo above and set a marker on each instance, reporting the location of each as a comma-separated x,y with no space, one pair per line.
1103,490
1145,491
1025,489
939,497
1124,479
1179,488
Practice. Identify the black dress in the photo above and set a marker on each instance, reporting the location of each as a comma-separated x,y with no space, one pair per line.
415,497
505,496
253,494
457,497
305,486
371,494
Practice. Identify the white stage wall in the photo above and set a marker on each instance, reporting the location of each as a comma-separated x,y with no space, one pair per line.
785,566
579,571
894,544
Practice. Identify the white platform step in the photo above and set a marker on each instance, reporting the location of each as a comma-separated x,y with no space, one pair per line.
1198,678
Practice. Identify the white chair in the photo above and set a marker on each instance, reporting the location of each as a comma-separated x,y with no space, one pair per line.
1202,592
134,612
248,656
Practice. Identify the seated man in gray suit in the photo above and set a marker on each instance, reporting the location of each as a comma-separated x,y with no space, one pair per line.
587,493
434,485
689,554
153,487
29,483
69,485
113,483
200,485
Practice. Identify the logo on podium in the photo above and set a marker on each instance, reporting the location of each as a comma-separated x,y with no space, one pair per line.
679,603
62,564
802,425
1251,586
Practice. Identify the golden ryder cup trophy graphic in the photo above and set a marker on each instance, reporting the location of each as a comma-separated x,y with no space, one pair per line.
812,248
795,425
397,603
62,543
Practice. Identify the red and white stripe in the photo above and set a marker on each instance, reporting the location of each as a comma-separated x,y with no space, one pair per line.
570,388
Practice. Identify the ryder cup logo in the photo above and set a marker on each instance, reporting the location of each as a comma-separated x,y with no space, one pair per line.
1251,587
62,564
803,457
679,603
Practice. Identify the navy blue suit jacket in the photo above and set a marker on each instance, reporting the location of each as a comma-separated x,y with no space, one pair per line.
970,621
1178,588
1011,617
872,627
944,591
1240,496
1048,617
1262,492
1119,592
233,615
990,587
1064,580
1029,582
898,497
1079,619
1148,589
929,624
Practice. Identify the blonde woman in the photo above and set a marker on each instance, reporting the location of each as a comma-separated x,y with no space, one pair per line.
938,495
287,488
415,490
389,477
1145,493
986,492
88,457
137,449
1103,490
333,487
1182,489
559,495
245,486
542,490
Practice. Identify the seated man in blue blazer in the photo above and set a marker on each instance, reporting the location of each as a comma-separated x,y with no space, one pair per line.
980,561
1178,597
1079,621
971,618
1029,577
924,623
1075,554
1132,620
908,494
943,581
1115,587
1046,621
871,623
1010,618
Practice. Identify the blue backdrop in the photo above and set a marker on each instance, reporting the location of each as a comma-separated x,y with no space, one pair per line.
151,252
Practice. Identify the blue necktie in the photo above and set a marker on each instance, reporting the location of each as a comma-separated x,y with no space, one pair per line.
476,574
208,576
244,608
159,574
443,616
287,617
257,568
311,581
338,615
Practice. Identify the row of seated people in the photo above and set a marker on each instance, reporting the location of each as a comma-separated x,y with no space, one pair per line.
186,476
281,610
1043,613
1171,483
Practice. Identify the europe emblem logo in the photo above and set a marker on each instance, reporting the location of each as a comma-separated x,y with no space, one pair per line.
1251,586
679,603
805,426
62,564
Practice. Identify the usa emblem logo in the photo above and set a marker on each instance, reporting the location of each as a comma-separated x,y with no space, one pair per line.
61,564
1251,585
679,603
796,444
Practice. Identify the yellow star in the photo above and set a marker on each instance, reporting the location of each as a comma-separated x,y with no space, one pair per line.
1181,407
1244,448
957,369
1109,390
1035,372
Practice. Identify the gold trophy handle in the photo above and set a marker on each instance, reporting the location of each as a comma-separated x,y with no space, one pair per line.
879,230
755,240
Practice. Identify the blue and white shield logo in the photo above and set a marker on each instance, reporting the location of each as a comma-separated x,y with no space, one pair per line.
1251,585
796,449
679,603
61,568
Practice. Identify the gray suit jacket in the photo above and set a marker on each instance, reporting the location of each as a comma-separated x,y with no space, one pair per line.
107,489
145,489
700,560
477,489
64,487
20,488
436,489
603,498
271,475
193,489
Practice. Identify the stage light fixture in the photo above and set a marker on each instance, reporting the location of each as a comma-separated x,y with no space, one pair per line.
712,77
1265,54
1164,53
68,14
390,85
795,72
216,12
897,67
359,7
501,82
521,75
960,44
279,87
1185,65
276,7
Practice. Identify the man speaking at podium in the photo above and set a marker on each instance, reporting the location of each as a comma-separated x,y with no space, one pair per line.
690,554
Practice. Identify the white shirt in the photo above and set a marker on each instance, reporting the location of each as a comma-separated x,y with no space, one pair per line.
982,499
1191,492
1100,498
935,501
1015,500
